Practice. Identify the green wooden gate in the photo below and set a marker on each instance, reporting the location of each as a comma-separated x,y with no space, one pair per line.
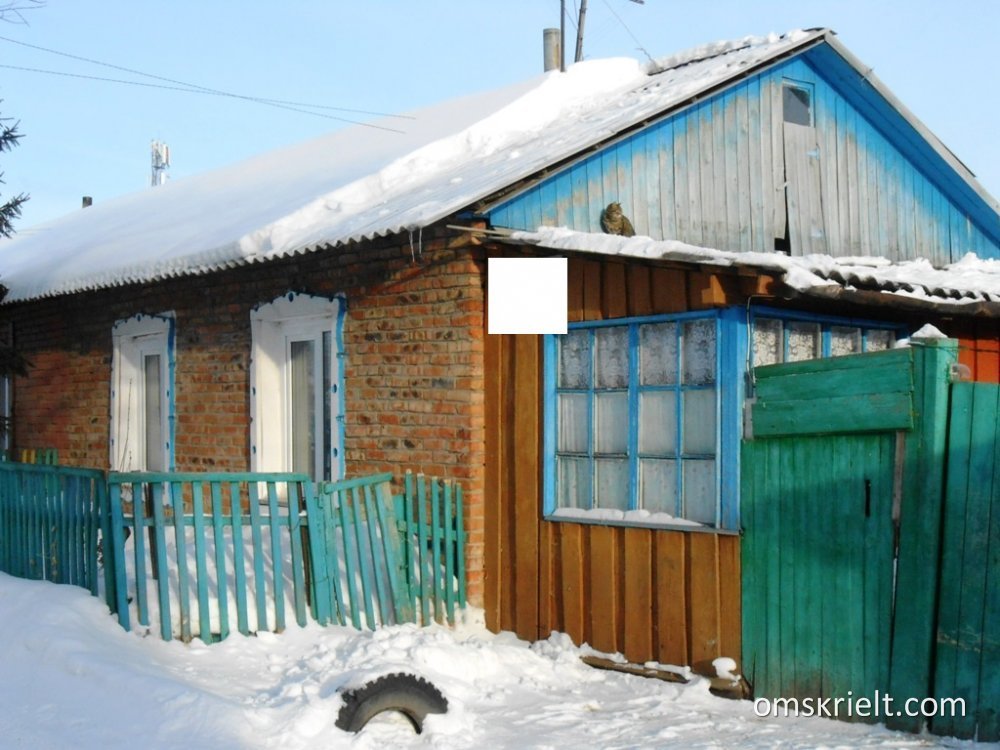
871,555
818,555
818,485
967,655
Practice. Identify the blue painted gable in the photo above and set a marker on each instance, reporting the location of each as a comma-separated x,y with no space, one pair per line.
728,172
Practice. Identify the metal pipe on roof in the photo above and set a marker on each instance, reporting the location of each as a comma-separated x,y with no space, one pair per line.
550,48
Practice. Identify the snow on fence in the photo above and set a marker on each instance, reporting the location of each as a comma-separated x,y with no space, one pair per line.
248,549
50,518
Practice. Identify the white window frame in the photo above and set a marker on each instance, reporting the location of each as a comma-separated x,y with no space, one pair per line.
274,326
133,340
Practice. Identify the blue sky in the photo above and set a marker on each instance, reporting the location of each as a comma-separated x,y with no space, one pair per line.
87,137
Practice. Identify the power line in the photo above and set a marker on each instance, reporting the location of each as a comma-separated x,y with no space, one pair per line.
625,26
193,87
198,90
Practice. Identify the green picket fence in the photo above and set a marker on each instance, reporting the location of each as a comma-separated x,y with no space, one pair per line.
198,554
389,559
193,555
50,519
431,515
219,549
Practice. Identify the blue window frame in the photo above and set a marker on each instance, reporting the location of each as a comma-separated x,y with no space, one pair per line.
789,336
642,420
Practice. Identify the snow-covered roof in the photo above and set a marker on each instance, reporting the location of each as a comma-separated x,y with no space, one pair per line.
970,283
364,182
361,182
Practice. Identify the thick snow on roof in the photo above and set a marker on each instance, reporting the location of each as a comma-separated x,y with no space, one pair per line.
971,280
363,182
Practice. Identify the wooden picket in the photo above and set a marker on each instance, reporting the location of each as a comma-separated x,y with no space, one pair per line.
434,547
211,546
194,555
172,519
50,519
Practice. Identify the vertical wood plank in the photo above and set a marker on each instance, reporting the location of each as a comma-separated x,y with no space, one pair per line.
239,567
574,290
571,581
638,293
591,290
730,576
436,547
605,578
547,554
493,494
507,529
256,537
527,421
668,290
615,303
638,584
671,597
277,556
703,583
159,550
201,562
295,509
351,552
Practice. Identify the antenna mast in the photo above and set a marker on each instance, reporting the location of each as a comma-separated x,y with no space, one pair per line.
161,163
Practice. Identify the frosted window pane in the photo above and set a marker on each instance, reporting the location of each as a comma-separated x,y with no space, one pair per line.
574,482
767,344
573,426
844,341
611,422
699,491
154,414
699,352
658,422
302,388
803,341
878,341
699,422
612,483
611,357
574,360
658,354
658,485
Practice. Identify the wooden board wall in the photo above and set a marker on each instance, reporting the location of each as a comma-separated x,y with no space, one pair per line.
669,596
979,349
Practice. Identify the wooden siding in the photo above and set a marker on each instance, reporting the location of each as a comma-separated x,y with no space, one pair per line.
979,349
714,175
825,396
666,595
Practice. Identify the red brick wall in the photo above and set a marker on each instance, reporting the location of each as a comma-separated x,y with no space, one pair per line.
413,340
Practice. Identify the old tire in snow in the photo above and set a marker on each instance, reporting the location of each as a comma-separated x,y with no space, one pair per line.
412,696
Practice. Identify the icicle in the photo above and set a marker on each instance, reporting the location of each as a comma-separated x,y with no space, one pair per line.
413,257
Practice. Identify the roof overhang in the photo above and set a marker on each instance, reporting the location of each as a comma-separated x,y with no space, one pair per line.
970,287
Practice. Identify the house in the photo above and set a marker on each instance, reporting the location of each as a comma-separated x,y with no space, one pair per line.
323,308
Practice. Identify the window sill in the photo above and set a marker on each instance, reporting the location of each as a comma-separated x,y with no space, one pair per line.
633,519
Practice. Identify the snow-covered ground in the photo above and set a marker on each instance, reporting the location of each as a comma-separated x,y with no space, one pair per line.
71,678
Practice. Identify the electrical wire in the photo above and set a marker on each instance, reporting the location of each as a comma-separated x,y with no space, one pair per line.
195,88
199,90
624,26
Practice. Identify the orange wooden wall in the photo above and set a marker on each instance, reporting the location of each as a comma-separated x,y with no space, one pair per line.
669,596
979,349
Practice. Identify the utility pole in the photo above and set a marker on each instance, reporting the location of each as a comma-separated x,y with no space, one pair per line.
579,31
562,36
579,28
